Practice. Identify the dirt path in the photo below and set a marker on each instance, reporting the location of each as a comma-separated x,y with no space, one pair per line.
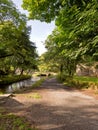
56,108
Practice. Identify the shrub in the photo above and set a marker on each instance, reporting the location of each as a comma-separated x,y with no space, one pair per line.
12,79
80,82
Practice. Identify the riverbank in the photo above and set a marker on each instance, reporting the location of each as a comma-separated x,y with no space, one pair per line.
6,80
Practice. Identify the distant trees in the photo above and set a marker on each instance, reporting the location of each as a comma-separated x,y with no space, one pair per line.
16,50
75,38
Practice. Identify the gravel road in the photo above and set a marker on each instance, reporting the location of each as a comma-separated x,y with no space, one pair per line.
58,108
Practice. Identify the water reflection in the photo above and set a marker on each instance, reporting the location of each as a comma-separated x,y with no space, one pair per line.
19,85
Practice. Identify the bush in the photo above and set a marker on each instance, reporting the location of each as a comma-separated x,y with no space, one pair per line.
12,79
79,81
62,77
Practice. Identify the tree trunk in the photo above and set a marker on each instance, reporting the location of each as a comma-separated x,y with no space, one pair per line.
21,73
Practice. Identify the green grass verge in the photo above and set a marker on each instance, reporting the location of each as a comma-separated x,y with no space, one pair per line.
83,82
1,93
38,83
79,82
12,79
86,79
12,122
34,96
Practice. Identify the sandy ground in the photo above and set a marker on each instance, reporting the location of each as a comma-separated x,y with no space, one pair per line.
55,107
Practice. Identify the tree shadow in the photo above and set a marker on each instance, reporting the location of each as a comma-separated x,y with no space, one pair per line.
76,113
64,118
10,102
68,116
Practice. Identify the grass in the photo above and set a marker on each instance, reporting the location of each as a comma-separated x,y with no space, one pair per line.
12,79
86,78
35,96
1,93
38,83
79,82
82,82
12,122
96,92
86,82
9,121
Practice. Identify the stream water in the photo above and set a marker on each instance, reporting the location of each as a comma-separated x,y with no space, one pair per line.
19,85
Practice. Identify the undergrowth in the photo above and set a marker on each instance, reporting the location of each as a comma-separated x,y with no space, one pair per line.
79,82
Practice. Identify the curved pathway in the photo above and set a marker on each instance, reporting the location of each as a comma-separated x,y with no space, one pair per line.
57,108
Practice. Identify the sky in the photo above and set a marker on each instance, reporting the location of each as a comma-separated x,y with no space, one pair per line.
40,30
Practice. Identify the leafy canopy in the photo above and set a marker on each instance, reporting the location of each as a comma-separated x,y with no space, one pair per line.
76,35
16,49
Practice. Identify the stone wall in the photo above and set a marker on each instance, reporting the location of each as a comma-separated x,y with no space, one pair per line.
83,70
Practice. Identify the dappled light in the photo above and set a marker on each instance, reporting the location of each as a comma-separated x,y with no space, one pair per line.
56,108
57,90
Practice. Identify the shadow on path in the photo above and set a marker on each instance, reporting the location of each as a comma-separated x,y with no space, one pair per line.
64,118
58,109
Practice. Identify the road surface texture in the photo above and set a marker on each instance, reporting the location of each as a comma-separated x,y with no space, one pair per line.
57,108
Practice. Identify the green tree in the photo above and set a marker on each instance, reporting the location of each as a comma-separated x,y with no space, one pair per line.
77,19
58,55
48,10
76,34
16,50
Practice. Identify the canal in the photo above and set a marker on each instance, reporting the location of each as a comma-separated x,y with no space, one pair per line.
18,85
